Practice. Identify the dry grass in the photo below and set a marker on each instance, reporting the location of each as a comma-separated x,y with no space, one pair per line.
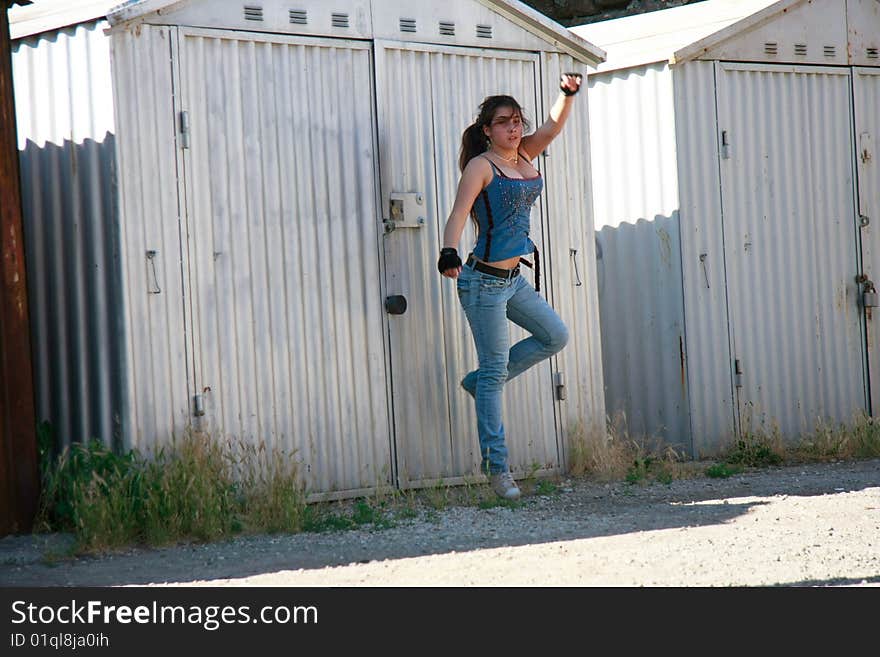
204,488
858,439
617,455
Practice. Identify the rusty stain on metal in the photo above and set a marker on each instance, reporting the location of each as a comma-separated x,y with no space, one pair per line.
665,247
681,361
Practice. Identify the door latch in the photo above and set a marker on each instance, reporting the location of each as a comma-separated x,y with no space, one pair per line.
406,210
869,295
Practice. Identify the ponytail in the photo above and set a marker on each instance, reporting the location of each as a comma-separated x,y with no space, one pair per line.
473,142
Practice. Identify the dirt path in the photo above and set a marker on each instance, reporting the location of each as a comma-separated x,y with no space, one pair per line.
801,525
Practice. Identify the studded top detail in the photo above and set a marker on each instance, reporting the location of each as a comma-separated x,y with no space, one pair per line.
503,211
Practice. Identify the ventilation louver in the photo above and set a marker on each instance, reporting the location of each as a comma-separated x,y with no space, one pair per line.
873,53
253,13
298,16
800,49
830,51
447,28
771,48
339,20
484,31
407,24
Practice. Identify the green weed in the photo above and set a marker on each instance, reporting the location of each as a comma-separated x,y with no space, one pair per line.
195,488
756,450
546,487
722,470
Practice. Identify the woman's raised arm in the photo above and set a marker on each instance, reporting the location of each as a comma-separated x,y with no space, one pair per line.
536,142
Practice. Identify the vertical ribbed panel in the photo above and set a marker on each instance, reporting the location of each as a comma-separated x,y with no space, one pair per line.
702,258
632,145
791,245
432,347
635,201
63,87
283,249
155,367
419,376
570,240
866,87
64,114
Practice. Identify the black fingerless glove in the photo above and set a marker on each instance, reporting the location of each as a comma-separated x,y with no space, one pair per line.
569,92
448,259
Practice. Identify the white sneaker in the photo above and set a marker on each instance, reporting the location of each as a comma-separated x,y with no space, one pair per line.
504,485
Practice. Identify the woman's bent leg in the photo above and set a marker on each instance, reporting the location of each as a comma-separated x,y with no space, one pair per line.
529,310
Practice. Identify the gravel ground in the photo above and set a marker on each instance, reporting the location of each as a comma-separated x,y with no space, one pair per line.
806,525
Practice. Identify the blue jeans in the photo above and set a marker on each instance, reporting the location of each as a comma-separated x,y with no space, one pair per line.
488,303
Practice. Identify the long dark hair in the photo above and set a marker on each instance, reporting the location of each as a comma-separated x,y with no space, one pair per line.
473,140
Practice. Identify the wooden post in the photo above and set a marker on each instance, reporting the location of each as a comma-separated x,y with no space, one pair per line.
19,472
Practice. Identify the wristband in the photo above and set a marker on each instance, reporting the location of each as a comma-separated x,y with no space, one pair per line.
448,259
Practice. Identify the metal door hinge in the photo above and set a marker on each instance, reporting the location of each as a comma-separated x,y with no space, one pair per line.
559,385
184,129
737,373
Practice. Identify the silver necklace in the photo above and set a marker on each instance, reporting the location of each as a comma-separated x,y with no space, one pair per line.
514,159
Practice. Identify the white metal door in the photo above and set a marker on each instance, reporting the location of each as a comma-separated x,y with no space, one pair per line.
866,94
281,188
791,246
427,95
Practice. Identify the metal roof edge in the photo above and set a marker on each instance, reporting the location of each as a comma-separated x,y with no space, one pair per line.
633,63
544,28
28,20
519,13
135,9
765,15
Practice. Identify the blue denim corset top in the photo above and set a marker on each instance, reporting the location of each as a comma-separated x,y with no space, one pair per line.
503,210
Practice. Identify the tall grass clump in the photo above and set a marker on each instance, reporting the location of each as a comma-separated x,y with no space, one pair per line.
617,455
273,497
94,493
858,440
195,488
190,492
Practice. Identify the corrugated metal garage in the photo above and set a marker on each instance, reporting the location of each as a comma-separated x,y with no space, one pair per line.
259,148
735,192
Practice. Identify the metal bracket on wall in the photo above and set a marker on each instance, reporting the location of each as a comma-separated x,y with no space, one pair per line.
577,276
151,259
406,210
703,257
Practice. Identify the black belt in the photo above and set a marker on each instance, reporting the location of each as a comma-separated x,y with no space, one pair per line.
492,271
